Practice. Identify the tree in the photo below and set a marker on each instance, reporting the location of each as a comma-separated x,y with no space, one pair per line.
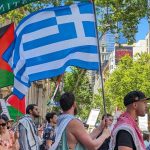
17,14
97,103
126,12
77,82
129,75
112,12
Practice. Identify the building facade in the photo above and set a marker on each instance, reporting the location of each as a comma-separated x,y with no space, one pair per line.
147,38
140,47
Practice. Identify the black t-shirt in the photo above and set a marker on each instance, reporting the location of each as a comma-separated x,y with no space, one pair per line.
124,138
105,145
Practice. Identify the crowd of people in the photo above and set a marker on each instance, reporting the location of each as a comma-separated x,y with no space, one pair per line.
66,132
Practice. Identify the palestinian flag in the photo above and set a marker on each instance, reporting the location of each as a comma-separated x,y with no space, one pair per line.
16,107
6,39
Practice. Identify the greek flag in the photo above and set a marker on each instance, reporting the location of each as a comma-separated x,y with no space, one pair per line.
51,39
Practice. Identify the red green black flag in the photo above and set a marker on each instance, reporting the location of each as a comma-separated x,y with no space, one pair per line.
6,39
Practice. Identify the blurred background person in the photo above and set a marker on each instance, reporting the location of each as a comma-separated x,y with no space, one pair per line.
8,141
9,122
109,121
28,133
146,138
49,132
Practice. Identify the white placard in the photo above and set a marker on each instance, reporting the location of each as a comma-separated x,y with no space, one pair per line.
143,123
93,117
4,107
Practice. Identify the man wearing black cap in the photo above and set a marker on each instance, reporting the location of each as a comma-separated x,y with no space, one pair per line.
126,135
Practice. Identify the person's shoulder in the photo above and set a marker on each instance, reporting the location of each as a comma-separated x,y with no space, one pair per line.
22,121
75,123
76,128
25,120
124,136
48,129
124,132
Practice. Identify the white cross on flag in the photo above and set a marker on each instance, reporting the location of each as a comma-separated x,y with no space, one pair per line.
50,40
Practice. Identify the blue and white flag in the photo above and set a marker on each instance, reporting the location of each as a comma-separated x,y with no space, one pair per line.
51,39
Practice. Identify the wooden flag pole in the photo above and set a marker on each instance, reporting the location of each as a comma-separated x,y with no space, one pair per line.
100,67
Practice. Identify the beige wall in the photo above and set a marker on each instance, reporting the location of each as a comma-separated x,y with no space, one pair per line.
39,94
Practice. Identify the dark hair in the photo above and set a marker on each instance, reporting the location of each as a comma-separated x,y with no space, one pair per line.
146,136
5,117
1,116
30,107
108,115
50,116
66,101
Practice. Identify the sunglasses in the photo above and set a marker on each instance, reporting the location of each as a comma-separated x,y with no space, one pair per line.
3,124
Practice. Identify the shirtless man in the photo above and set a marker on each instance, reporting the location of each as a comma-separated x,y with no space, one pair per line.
70,132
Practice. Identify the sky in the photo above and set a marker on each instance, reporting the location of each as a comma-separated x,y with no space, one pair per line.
142,29
141,34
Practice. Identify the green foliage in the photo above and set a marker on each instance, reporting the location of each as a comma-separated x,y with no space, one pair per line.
128,12
17,14
98,103
129,75
77,82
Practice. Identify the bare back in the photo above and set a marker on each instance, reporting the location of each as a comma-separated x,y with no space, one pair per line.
76,134
72,140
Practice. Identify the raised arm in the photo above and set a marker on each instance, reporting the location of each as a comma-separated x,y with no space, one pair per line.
78,131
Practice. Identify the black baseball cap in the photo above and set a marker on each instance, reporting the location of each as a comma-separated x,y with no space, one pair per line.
134,96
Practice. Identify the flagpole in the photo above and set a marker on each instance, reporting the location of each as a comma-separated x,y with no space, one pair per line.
99,55
55,92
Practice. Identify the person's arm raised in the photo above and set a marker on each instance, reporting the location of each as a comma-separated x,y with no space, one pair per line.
94,134
79,132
